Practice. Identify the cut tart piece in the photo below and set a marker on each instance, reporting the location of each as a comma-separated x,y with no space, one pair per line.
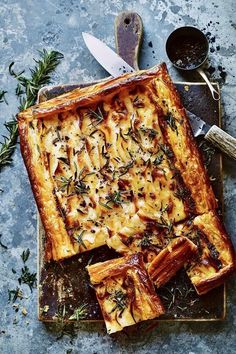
216,258
124,291
111,158
166,264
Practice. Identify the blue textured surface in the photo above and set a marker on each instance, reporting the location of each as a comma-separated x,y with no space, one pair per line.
29,25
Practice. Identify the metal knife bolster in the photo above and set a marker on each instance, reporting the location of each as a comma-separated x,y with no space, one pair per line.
199,127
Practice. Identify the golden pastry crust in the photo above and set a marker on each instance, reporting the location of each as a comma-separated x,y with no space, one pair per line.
166,264
124,292
109,160
216,257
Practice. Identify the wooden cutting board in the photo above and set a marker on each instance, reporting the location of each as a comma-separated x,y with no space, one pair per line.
64,286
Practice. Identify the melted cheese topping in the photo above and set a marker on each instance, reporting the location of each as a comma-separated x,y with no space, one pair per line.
111,176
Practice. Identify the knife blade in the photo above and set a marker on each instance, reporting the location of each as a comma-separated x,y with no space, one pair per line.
110,61
116,66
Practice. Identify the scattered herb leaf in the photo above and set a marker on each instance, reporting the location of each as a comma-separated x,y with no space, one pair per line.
79,313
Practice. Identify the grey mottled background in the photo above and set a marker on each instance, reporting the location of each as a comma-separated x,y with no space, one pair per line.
29,25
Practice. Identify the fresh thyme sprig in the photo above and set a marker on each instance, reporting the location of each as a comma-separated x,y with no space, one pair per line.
80,313
27,91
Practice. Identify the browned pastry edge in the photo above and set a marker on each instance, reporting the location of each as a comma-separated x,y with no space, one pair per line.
171,259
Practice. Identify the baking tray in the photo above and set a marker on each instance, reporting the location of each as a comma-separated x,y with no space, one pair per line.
64,286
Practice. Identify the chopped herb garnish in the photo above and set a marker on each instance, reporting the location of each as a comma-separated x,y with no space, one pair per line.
79,239
2,96
152,133
165,224
171,122
96,116
124,169
146,240
115,198
181,193
158,160
80,313
64,183
15,294
120,299
25,255
167,151
27,278
105,205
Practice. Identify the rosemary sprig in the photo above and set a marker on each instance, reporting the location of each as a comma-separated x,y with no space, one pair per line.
115,198
79,239
27,90
2,96
40,76
64,183
124,169
9,143
120,299
96,116
80,313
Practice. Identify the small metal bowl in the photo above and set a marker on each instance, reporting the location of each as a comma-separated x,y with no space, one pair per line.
187,48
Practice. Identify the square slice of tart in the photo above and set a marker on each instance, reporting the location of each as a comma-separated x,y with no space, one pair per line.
124,291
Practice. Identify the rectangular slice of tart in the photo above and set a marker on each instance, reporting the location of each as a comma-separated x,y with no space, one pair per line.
124,291
216,257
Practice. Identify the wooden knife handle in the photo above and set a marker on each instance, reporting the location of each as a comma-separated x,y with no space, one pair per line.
128,36
222,140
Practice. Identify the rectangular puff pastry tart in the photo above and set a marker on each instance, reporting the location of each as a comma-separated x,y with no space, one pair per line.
116,164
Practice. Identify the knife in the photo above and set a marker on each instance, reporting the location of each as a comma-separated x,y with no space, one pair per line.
116,66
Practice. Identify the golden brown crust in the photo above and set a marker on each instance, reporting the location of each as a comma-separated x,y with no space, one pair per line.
54,225
124,291
171,259
216,259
